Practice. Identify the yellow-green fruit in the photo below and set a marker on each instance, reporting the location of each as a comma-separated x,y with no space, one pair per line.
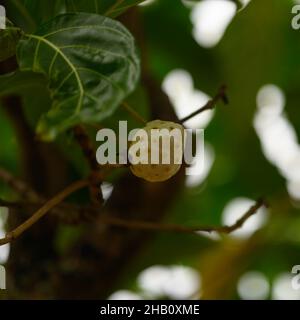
161,170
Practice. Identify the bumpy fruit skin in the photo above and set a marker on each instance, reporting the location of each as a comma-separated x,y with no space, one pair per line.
160,172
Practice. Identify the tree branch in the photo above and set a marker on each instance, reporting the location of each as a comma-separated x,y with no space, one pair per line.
43,211
221,95
149,226
87,213
133,113
18,186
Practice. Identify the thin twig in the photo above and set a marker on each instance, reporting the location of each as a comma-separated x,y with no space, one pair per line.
43,211
240,222
113,7
133,113
18,186
149,226
221,95
28,196
117,222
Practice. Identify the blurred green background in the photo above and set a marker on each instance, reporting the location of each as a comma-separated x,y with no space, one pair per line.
258,48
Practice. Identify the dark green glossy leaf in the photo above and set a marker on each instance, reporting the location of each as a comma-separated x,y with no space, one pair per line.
110,8
28,14
90,63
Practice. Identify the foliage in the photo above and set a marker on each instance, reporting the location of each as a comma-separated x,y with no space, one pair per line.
76,64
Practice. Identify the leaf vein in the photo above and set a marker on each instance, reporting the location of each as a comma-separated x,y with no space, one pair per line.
34,63
86,27
64,80
101,76
54,47
52,63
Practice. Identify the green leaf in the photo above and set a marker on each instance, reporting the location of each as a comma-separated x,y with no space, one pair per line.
106,7
9,38
28,14
19,82
90,63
